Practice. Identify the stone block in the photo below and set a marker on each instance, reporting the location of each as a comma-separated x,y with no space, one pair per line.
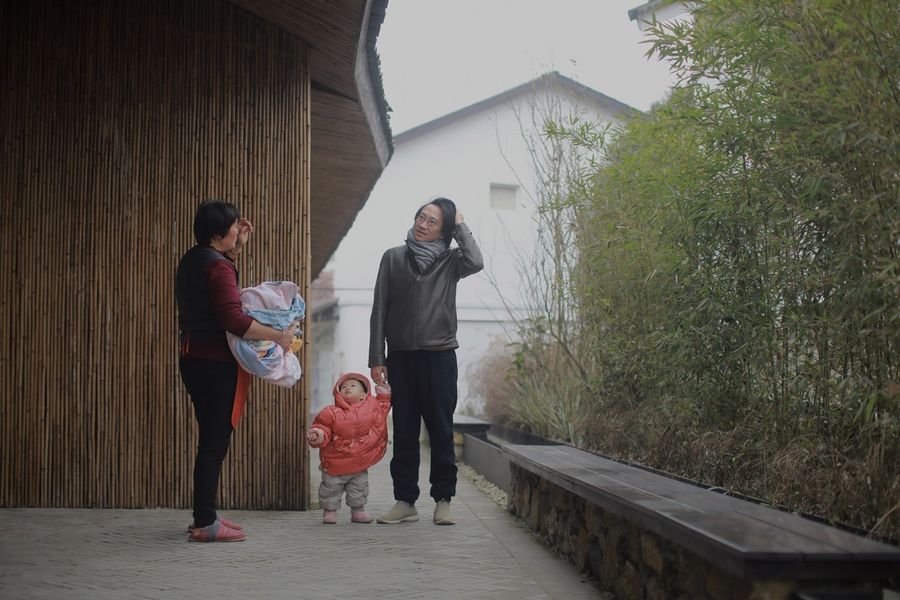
568,546
651,555
655,590
560,498
609,568
543,501
612,520
667,549
615,540
595,520
523,499
629,586
595,563
550,524
534,510
719,584
741,589
613,553
579,503
517,484
690,574
633,543
581,546
575,522
771,590
526,496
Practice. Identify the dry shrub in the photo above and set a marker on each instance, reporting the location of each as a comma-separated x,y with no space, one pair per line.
801,474
489,379
538,392
825,481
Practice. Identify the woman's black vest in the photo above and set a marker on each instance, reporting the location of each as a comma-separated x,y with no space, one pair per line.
195,312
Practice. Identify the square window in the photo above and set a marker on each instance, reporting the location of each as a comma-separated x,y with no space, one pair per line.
503,196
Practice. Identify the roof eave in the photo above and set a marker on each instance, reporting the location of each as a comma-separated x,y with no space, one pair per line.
545,80
351,137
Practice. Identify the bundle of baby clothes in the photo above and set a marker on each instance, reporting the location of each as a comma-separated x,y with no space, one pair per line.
277,304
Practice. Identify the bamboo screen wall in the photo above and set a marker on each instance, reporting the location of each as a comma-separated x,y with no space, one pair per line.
116,119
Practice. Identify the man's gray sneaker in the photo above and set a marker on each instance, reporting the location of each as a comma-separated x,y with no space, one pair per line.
402,512
442,513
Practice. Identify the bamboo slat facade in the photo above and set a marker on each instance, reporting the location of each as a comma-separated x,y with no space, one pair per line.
117,119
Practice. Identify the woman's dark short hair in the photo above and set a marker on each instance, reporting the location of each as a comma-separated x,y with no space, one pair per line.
214,218
448,214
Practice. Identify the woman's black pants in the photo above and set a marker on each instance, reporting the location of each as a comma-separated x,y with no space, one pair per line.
423,388
211,385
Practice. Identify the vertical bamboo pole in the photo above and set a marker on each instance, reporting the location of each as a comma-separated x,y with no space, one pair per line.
306,203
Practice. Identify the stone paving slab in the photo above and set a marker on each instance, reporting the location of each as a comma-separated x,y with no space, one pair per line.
99,553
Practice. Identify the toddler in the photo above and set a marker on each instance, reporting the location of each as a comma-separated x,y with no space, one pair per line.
351,436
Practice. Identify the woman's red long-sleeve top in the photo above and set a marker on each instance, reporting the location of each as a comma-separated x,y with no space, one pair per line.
209,304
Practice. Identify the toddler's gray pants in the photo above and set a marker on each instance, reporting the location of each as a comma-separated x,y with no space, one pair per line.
332,487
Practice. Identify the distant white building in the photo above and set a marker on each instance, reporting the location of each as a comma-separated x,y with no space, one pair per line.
656,11
478,157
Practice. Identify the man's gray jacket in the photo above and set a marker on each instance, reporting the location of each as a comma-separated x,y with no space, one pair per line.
417,311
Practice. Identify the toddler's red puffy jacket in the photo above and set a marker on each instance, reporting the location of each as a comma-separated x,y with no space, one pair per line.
355,434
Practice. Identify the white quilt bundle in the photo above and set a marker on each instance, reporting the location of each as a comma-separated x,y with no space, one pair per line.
277,304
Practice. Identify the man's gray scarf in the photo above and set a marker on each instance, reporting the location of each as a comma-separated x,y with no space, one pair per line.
425,253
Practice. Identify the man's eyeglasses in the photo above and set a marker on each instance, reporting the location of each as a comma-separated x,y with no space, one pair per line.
430,222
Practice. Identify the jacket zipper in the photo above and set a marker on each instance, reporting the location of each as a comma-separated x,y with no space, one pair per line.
415,313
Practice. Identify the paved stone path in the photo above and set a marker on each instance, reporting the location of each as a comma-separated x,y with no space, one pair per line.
93,553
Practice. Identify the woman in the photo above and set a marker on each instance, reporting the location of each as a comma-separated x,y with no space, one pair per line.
415,311
209,304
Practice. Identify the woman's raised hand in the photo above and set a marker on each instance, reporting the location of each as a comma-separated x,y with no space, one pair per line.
245,228
459,217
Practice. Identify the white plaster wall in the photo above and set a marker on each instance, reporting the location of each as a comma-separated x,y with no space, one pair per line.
460,161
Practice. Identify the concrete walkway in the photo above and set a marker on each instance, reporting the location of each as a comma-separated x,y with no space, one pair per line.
85,553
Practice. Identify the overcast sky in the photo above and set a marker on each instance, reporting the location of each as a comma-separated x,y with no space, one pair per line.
440,55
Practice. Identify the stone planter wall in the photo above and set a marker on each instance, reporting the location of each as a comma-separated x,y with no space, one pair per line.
632,562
